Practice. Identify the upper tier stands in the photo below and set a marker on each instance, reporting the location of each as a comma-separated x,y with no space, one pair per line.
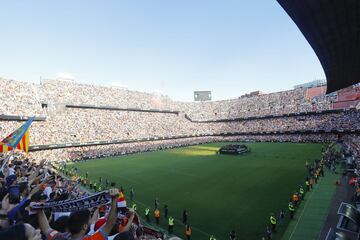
19,98
279,103
171,118
26,98
60,92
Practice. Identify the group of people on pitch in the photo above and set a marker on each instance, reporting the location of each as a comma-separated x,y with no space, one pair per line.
315,171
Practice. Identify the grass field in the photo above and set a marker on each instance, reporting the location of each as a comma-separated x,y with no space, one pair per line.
220,192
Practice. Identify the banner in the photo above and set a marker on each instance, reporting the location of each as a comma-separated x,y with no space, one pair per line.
19,139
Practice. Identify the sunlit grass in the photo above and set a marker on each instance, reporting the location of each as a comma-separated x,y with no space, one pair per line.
242,189
196,151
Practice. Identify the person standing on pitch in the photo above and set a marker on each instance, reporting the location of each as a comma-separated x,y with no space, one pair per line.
134,207
315,177
184,217
156,203
132,193
212,237
291,209
188,232
302,192
295,199
282,217
106,183
273,223
268,233
166,211
307,165
147,214
171,224
307,183
157,216
311,183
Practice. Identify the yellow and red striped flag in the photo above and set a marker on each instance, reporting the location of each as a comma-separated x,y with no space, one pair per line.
19,139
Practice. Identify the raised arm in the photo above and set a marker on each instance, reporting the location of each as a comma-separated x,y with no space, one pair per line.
36,172
130,220
95,216
43,222
113,212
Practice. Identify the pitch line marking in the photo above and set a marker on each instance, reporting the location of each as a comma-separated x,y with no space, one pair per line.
306,204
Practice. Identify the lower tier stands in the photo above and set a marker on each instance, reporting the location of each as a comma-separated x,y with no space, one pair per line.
86,125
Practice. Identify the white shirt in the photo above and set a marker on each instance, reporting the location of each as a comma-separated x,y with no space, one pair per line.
11,171
60,214
48,191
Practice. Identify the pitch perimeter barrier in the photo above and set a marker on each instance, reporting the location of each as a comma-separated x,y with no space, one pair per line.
229,134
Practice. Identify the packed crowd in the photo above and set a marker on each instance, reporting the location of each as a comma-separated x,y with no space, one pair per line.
25,182
65,125
20,99
26,186
352,142
56,92
352,156
87,125
51,95
278,103
79,125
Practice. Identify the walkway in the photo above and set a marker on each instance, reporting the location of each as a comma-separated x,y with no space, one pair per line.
310,217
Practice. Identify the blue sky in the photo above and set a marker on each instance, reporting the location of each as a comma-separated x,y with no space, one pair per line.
170,46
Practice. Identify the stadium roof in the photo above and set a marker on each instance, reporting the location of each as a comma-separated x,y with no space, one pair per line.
332,27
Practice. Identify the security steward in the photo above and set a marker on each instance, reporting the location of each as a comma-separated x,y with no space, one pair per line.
188,232
134,207
291,209
273,223
157,216
147,214
171,224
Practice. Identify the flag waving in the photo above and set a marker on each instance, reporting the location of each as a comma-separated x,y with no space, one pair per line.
19,139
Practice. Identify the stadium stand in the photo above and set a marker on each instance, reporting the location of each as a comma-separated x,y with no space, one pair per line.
65,109
20,99
77,122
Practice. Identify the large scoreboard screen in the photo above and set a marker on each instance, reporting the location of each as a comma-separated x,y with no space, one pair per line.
202,95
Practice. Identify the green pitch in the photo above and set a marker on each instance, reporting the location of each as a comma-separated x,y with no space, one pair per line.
220,192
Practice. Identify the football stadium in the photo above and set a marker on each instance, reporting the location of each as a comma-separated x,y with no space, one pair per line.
98,161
